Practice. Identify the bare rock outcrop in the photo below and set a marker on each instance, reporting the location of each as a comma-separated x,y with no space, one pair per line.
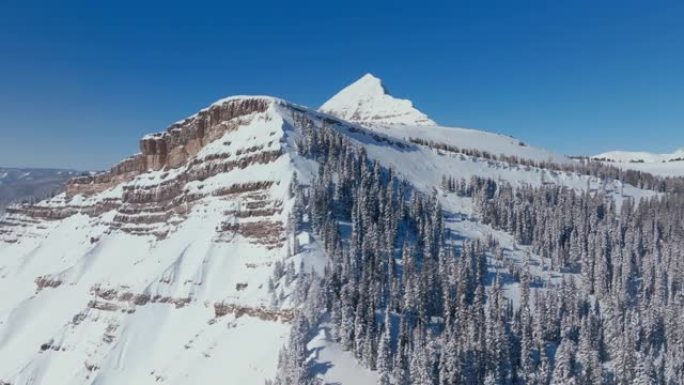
172,148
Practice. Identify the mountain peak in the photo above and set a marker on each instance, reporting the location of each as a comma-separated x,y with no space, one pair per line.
367,101
368,84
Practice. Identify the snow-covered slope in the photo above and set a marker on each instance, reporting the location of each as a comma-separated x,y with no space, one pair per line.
470,139
658,164
367,101
161,270
157,274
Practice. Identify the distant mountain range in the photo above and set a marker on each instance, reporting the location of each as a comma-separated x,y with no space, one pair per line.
671,164
26,184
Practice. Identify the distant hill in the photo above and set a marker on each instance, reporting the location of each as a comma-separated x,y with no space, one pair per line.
671,164
23,184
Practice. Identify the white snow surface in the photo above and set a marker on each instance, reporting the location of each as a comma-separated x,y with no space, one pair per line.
332,365
367,101
467,139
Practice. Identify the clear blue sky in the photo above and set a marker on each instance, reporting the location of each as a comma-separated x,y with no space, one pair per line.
81,81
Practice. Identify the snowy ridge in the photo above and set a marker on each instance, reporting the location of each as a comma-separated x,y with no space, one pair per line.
466,138
637,156
367,102
671,164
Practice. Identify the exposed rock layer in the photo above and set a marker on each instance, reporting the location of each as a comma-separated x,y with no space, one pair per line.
172,148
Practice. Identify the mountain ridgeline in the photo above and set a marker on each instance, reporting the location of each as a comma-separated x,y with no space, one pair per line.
260,241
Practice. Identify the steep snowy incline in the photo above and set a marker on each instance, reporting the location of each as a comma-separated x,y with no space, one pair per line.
366,101
657,164
161,270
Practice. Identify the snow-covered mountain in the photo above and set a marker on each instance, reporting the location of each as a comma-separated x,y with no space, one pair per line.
641,157
366,101
19,184
157,270
184,263
658,164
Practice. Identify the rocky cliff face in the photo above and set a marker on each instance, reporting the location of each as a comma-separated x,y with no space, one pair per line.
150,189
174,147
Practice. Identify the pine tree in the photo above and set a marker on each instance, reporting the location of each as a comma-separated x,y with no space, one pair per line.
564,370
384,362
